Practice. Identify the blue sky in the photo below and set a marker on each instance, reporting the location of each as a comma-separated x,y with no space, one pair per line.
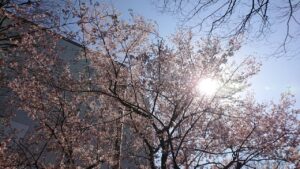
277,75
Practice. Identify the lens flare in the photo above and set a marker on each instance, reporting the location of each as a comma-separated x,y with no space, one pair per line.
208,86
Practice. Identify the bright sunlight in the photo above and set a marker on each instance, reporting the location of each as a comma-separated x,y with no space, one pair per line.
208,86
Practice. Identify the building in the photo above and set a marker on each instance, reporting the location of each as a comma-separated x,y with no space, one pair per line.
24,127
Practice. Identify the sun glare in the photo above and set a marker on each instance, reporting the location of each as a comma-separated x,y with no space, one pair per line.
207,86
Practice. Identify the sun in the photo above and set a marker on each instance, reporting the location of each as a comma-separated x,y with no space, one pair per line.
207,86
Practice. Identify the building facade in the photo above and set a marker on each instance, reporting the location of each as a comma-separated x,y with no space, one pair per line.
22,126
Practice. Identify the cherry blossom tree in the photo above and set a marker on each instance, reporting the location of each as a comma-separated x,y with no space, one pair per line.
29,10
21,17
137,101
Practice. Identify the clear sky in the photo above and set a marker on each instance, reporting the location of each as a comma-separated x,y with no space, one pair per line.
277,75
